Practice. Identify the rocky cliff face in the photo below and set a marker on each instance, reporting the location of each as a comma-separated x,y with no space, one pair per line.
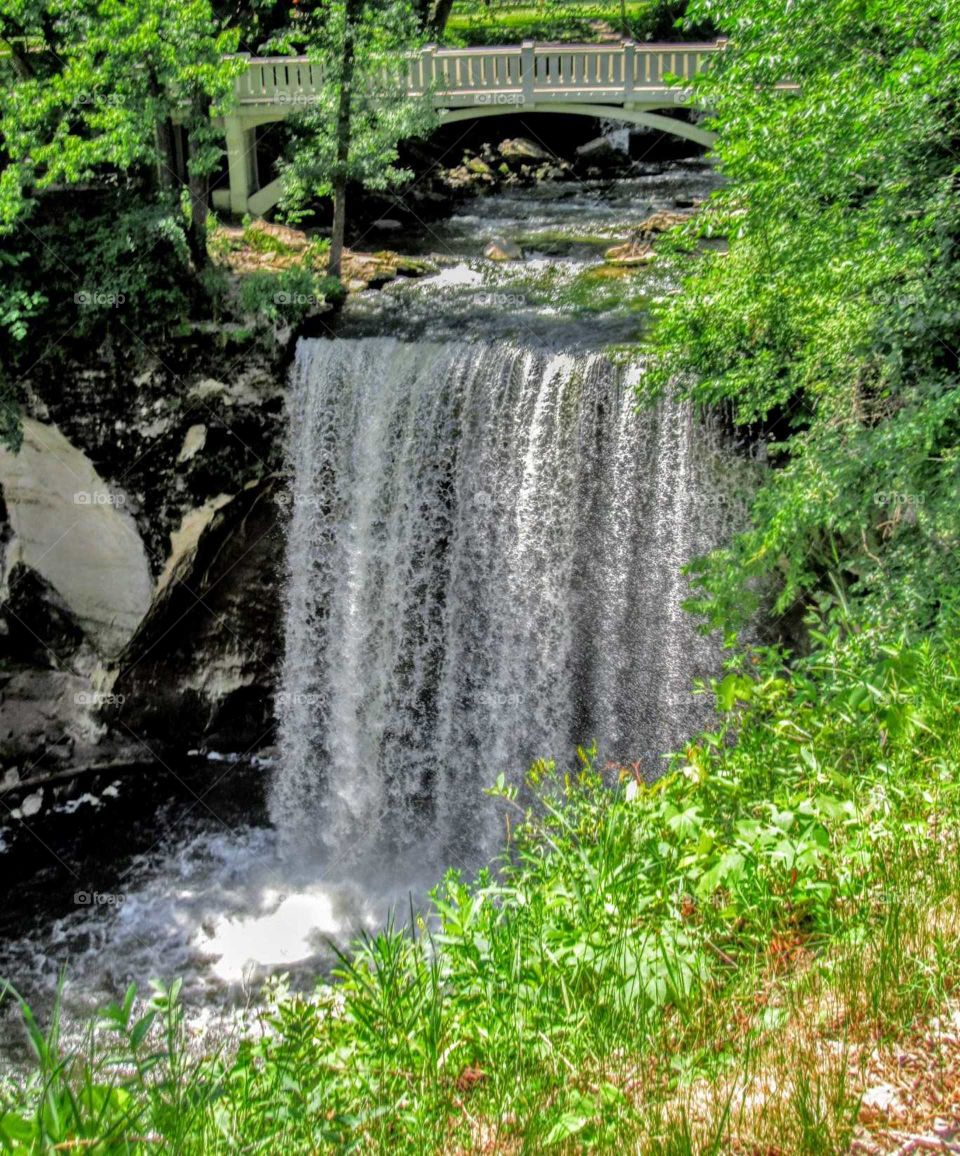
141,547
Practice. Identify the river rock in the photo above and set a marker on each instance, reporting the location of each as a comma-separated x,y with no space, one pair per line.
500,249
519,148
551,173
662,222
599,148
193,442
630,253
72,530
47,716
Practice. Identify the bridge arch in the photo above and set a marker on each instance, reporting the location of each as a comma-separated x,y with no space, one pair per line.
645,118
624,82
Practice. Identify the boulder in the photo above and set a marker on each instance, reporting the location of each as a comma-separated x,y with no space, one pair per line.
201,668
521,149
72,530
551,173
630,253
48,716
193,442
600,148
662,222
500,249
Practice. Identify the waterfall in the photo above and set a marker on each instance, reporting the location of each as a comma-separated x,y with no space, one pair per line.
483,560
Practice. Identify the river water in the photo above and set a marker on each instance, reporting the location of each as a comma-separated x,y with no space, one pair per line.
483,567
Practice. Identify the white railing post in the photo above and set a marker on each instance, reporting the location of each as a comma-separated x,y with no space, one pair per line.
629,58
428,55
527,66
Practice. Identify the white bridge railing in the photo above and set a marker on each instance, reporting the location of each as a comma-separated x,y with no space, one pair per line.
531,72
626,81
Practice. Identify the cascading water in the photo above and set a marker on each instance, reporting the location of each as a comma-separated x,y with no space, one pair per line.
484,560
483,567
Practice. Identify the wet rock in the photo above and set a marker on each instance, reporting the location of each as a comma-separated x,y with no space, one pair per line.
47,716
600,148
552,172
239,391
500,249
478,166
661,222
373,270
193,443
521,149
460,177
631,253
70,528
36,625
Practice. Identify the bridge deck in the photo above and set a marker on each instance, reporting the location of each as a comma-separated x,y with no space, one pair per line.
625,81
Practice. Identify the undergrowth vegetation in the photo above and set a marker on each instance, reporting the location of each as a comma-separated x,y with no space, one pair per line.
635,945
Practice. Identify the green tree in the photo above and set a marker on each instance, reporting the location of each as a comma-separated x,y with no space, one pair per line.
110,92
350,133
832,323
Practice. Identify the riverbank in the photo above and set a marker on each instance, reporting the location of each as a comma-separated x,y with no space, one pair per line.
758,953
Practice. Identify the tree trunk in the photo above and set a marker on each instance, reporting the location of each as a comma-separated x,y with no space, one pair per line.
198,186
335,260
421,9
341,171
167,178
440,16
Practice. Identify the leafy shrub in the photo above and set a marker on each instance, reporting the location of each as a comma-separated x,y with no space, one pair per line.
287,296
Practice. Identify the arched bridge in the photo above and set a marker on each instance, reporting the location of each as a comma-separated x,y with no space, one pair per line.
627,82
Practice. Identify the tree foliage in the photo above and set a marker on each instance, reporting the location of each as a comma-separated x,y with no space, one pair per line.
350,130
833,321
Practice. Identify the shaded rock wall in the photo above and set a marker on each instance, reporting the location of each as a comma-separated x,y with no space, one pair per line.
141,549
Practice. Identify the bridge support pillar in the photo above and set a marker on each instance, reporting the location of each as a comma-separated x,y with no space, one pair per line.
241,163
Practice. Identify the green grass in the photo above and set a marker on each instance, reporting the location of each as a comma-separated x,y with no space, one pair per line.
577,20
466,16
640,956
